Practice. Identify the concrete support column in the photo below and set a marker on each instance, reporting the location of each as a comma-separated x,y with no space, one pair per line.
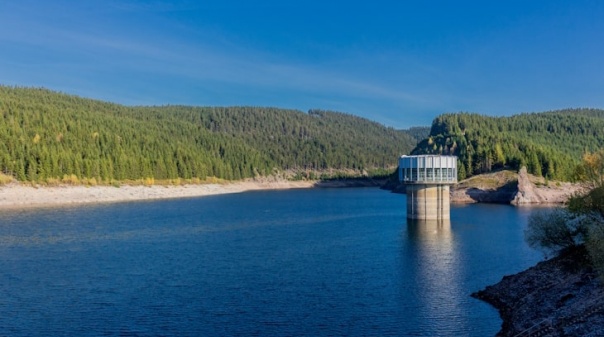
428,201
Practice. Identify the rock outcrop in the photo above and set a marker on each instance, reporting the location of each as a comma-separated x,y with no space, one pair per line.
530,194
468,195
558,297
506,187
525,193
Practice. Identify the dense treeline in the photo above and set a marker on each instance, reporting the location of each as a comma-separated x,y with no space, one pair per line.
293,139
46,135
418,133
549,144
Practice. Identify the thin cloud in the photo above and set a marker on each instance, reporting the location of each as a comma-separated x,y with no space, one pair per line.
221,62
221,52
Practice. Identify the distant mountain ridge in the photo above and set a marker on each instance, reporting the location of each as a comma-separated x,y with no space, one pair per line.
46,135
550,143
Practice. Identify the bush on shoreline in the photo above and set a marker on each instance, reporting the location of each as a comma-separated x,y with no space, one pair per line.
555,230
582,222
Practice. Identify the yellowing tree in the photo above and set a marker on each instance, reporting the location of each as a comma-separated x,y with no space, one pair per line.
592,168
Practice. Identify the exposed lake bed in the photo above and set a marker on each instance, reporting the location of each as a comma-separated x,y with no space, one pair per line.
16,195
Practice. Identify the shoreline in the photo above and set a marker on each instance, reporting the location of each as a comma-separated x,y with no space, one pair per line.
562,296
18,196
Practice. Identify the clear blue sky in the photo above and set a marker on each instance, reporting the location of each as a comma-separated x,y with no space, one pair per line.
400,63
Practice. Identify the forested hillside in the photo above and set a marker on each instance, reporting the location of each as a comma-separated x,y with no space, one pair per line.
418,133
46,135
550,144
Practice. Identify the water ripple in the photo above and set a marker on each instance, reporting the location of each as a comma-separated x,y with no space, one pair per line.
292,263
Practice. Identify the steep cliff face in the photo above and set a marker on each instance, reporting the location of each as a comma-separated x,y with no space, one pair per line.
529,193
526,191
558,297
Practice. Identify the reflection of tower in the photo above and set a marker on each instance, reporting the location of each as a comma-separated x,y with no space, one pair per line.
431,230
439,274
427,179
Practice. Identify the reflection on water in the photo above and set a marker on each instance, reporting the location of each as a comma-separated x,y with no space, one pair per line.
438,272
430,230
282,263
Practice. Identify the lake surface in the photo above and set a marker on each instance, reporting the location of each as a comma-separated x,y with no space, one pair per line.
316,262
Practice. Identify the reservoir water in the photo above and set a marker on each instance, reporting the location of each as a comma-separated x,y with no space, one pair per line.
317,262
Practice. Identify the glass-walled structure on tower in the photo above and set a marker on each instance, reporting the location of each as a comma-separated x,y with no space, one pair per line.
428,169
427,179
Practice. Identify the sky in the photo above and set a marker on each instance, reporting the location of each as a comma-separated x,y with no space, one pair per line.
400,63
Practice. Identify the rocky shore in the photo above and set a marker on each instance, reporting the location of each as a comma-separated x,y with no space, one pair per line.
562,296
559,297
506,187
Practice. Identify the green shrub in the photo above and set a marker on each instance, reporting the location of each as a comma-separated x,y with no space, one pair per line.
595,244
555,230
590,202
581,222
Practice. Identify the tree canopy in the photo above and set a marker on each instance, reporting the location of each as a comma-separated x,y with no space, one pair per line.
549,144
47,135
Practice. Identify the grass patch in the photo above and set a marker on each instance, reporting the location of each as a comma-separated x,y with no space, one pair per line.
490,181
5,179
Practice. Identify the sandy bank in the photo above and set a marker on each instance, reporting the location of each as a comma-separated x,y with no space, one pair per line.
24,196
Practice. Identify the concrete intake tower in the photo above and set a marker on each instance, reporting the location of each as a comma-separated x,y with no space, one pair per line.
427,179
